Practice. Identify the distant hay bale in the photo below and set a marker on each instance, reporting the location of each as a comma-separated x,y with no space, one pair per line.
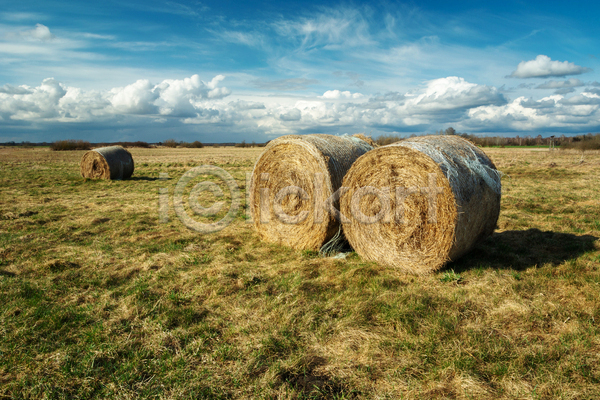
367,139
291,181
113,162
418,203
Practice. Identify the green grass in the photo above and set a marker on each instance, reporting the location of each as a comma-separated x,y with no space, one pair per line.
100,300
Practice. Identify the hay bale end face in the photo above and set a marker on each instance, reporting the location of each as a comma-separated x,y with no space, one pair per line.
291,181
419,203
113,162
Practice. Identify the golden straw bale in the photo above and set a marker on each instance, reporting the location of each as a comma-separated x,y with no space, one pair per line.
291,181
113,162
366,138
419,203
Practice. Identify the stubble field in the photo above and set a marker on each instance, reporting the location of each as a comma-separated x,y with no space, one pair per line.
99,299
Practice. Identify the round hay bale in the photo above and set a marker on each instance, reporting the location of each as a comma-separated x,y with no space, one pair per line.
419,203
366,138
291,183
113,162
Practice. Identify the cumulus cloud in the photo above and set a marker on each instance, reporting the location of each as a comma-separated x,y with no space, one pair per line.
185,103
546,103
595,91
137,98
389,96
40,32
337,94
179,97
247,105
38,103
553,112
452,93
526,85
566,90
53,100
544,67
581,100
570,83
445,99
561,87
78,105
292,115
8,89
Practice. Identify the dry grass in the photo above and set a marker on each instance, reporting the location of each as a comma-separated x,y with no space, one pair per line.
100,300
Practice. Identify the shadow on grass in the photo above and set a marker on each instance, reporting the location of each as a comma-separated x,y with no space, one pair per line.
7,273
523,249
142,178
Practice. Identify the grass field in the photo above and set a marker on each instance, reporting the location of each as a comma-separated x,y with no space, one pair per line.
100,300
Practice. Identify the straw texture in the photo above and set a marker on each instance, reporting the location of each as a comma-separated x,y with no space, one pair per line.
419,203
290,183
113,162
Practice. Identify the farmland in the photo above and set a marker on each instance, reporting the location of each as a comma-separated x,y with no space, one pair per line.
99,299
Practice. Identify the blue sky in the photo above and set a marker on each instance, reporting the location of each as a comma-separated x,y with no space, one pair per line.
232,71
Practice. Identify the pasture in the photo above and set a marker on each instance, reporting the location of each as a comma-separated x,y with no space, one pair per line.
98,299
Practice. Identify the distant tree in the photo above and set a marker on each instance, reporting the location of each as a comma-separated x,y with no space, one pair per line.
61,145
193,145
387,139
170,143
450,131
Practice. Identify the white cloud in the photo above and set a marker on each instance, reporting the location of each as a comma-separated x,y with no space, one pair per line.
544,67
292,115
239,37
178,97
39,103
336,94
189,102
21,16
551,112
332,30
592,91
137,98
582,100
97,36
247,105
41,32
34,51
53,100
570,83
452,93
8,89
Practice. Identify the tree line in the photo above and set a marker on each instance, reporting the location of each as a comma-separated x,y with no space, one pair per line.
589,141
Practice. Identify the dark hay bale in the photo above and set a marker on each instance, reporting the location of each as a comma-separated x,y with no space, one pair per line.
113,162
